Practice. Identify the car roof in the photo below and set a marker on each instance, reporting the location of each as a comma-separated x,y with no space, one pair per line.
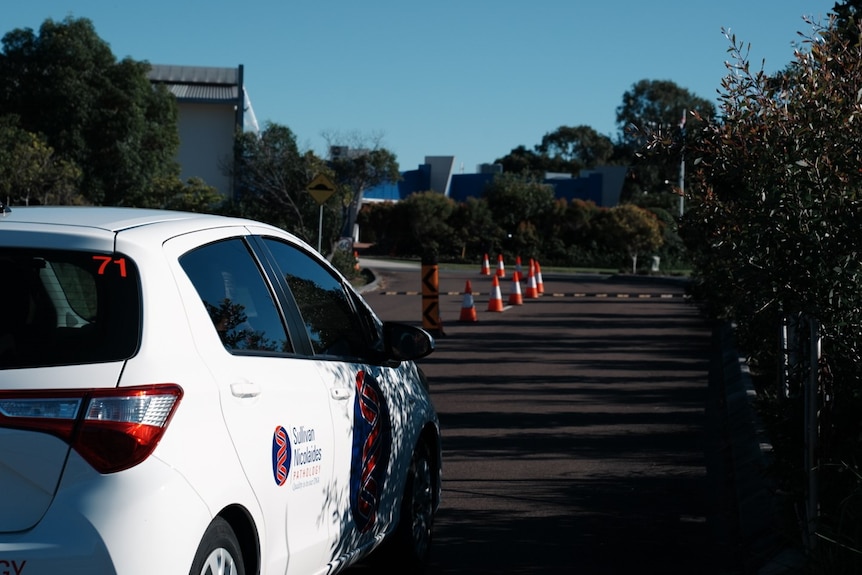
111,219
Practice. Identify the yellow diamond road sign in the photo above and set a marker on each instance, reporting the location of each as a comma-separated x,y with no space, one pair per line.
321,188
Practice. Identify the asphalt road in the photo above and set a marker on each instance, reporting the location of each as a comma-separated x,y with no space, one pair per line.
572,424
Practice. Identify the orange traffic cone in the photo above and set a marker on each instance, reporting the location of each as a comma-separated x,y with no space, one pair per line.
468,309
355,260
532,290
495,303
501,267
518,274
515,298
486,266
540,285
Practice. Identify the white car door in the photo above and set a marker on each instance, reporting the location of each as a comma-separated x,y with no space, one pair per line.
364,488
274,403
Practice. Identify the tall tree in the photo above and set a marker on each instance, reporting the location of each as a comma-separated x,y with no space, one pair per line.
567,150
103,115
519,204
576,147
361,163
525,162
474,224
272,175
428,215
775,232
658,107
847,15
630,230
30,171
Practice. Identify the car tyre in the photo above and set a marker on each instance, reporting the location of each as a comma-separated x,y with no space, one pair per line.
219,552
412,538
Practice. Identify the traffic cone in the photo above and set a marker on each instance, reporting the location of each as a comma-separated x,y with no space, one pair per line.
495,303
501,267
468,309
486,266
540,285
532,291
518,274
515,298
355,260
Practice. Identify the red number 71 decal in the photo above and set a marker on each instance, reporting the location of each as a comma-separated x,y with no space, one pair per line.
106,260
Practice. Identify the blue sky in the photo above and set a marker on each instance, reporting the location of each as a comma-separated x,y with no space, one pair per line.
469,78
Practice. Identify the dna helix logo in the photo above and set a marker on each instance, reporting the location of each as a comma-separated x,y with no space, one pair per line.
280,455
372,444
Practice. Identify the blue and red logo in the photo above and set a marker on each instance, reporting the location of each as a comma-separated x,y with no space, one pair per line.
372,446
280,455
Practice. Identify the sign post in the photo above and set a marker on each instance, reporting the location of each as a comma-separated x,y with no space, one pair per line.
431,297
321,189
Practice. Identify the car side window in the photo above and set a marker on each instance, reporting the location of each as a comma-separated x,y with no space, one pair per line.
236,296
327,312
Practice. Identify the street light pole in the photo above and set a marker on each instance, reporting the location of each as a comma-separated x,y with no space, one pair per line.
682,164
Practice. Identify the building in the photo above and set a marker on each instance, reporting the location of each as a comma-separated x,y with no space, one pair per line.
602,185
213,106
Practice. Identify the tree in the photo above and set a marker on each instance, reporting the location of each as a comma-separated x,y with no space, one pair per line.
518,204
194,195
385,226
272,175
474,226
658,107
630,230
102,115
364,164
523,161
774,231
30,171
428,214
576,147
847,15
566,150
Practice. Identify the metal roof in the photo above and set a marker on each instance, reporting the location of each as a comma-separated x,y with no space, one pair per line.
198,83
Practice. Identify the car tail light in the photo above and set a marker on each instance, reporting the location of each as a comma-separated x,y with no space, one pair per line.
112,429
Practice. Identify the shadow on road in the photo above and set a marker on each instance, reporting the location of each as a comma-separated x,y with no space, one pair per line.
573,439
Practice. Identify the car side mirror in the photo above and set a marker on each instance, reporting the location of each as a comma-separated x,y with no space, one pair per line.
405,342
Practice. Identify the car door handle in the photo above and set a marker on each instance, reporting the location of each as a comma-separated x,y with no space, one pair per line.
340,393
244,389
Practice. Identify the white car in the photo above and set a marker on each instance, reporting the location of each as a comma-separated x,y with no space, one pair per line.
187,393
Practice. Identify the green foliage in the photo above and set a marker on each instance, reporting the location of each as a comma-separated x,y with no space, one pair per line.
534,225
359,170
100,115
774,230
518,204
653,107
566,150
429,214
629,231
30,171
272,175
345,262
473,223
578,146
192,196
523,161
665,205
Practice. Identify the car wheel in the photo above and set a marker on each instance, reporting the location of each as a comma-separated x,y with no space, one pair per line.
412,538
218,553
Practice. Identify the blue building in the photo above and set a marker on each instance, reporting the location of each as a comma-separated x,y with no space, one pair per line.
601,185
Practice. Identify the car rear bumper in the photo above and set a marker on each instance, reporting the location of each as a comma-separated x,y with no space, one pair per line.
115,523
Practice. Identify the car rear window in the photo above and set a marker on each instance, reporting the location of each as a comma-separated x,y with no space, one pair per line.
66,307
